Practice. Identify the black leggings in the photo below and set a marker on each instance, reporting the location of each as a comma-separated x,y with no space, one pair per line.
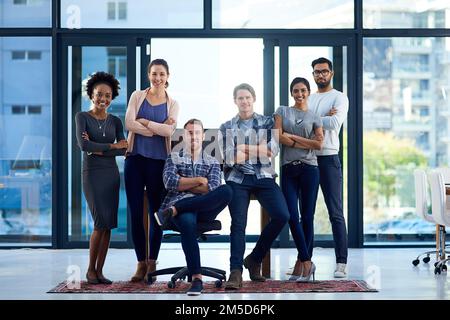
145,172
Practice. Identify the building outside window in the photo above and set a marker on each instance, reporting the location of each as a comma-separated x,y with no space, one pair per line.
117,10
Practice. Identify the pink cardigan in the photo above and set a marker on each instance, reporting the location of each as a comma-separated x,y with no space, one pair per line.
161,129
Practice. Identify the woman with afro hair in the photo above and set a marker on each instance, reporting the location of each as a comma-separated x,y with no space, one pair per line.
100,136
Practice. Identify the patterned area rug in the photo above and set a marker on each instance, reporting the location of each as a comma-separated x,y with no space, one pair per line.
270,286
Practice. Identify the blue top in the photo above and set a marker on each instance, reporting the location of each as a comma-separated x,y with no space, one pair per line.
151,147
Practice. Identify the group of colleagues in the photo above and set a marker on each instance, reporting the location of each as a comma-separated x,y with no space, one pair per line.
184,185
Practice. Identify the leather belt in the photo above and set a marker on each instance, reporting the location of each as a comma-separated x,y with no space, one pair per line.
295,162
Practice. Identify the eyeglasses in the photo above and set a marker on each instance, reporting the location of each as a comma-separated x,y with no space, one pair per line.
324,72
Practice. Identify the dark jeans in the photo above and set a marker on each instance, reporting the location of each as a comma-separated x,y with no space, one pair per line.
140,172
331,185
203,208
271,198
300,185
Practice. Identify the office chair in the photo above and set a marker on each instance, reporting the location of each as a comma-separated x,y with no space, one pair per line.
421,194
181,273
440,214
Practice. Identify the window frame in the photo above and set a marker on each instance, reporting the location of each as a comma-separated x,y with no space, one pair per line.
59,117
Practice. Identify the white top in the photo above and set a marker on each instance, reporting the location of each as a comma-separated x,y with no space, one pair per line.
321,104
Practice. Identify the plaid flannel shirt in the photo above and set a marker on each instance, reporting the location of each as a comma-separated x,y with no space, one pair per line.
228,138
179,164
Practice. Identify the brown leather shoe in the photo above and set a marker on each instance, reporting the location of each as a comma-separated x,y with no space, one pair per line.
254,269
140,272
234,281
151,267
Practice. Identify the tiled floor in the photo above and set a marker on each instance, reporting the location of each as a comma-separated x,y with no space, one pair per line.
30,273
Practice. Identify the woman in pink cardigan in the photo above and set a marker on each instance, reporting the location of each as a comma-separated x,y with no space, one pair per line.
150,120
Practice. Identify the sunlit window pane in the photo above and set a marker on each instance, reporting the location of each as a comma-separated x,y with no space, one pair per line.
406,126
287,14
406,14
25,13
25,141
76,14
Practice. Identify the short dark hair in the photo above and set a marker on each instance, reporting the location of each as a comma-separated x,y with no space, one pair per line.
193,121
299,80
244,86
101,77
159,62
322,60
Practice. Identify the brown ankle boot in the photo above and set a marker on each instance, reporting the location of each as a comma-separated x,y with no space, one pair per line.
254,269
151,267
234,281
140,272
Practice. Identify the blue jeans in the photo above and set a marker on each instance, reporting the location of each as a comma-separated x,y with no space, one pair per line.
331,185
300,185
271,198
202,208
140,172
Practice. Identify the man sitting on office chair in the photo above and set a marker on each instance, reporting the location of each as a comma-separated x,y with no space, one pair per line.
193,181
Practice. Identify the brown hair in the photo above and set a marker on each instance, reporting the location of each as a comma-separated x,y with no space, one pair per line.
159,62
244,86
193,121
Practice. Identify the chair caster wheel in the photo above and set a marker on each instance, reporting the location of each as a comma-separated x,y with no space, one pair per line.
444,267
416,262
426,259
170,284
218,284
437,270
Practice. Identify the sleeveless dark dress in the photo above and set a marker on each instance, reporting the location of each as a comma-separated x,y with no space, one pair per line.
101,179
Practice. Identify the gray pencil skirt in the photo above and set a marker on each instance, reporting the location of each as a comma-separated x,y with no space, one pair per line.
101,189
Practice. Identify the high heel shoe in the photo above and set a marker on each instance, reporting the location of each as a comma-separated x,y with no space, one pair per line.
103,280
307,278
295,275
92,280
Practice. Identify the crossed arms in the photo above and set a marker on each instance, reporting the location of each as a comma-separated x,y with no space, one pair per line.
239,153
146,127
288,139
174,180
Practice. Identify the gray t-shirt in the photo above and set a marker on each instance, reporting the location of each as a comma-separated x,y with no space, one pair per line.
302,124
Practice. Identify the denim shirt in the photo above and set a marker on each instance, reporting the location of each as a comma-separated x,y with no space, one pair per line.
228,141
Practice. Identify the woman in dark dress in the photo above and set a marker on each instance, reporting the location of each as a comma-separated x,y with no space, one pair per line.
100,136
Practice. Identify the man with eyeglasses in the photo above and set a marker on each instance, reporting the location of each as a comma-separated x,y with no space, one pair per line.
332,106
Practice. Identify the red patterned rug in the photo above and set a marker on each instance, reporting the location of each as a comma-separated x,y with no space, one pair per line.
269,286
